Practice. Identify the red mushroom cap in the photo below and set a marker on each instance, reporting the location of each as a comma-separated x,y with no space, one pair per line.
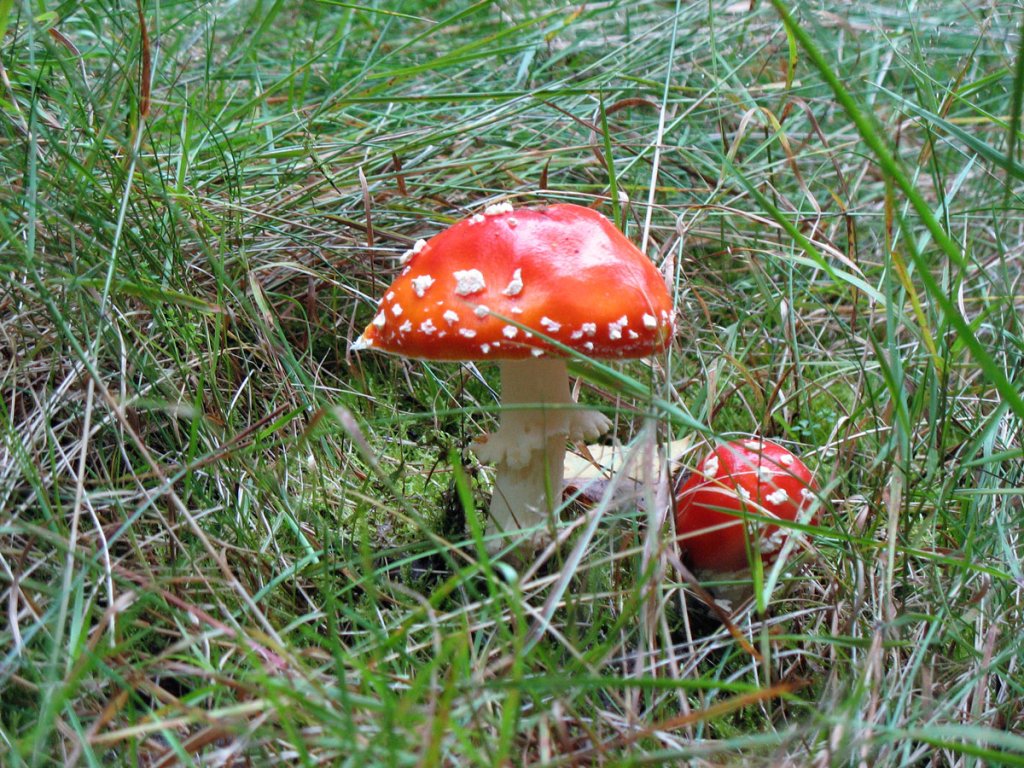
563,271
756,477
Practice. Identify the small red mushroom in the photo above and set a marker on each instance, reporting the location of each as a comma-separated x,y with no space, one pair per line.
495,287
754,477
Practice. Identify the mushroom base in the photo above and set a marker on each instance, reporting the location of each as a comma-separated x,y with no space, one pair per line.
528,449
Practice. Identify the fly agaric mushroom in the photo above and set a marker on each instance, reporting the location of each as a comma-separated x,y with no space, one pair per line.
496,286
755,477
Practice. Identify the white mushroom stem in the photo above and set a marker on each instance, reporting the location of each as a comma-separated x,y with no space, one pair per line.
528,450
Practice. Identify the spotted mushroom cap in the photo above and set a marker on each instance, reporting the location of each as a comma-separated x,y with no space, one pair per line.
563,271
757,477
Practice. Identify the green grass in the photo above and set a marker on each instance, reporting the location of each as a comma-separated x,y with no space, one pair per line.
226,538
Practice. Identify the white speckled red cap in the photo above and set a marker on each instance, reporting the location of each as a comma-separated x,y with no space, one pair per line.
754,477
563,271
